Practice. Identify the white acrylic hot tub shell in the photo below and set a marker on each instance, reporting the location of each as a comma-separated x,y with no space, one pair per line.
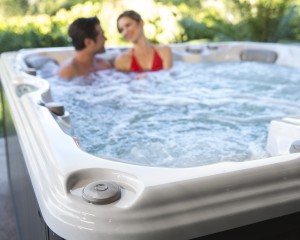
156,203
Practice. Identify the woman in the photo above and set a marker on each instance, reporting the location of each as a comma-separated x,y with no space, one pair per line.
143,56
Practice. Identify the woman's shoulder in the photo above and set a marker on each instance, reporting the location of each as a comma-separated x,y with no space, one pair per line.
123,60
163,50
165,53
124,55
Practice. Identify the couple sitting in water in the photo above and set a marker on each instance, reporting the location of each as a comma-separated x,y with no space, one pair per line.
88,39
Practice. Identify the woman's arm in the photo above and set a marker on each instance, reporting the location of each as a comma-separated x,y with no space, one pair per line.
167,57
122,62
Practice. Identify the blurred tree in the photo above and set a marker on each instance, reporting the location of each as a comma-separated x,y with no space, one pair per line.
23,7
261,20
45,6
192,3
242,20
189,8
166,21
13,7
294,31
195,30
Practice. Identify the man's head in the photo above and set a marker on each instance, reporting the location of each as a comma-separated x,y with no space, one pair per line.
86,31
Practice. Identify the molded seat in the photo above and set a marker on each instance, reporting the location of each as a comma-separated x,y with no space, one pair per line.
259,55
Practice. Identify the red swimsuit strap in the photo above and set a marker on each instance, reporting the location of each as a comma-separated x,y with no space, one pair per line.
135,66
157,63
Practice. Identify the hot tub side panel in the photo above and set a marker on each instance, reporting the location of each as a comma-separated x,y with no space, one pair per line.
29,219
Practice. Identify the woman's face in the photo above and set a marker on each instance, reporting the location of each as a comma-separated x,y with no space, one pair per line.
130,29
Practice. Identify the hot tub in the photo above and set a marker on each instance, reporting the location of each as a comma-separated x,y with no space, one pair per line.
62,192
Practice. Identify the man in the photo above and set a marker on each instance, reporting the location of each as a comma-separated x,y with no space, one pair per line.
88,39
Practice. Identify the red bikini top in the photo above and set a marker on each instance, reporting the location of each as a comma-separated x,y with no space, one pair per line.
156,65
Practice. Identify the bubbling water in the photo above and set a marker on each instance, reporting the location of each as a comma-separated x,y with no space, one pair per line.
192,115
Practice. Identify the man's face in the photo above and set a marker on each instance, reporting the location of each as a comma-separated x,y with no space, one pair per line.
100,40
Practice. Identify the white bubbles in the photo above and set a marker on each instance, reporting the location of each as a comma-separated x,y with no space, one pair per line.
192,115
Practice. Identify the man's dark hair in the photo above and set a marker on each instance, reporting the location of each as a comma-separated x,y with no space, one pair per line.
83,28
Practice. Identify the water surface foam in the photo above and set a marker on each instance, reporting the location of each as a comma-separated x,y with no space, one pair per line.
192,115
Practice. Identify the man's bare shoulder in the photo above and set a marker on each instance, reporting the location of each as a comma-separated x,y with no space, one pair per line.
67,70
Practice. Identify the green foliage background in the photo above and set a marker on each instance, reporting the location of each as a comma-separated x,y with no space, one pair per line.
44,23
